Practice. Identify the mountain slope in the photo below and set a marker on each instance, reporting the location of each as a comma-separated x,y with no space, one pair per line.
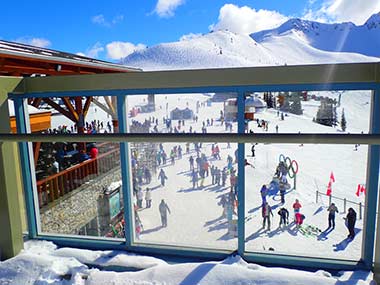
344,37
295,42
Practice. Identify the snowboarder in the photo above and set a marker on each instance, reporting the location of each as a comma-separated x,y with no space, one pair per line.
164,209
284,217
148,198
332,209
162,176
266,212
351,220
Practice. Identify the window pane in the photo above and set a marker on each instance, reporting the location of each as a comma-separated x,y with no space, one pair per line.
326,174
182,113
308,112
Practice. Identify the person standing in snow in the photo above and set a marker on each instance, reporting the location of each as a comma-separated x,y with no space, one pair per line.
264,192
296,207
139,197
283,183
148,198
164,209
266,212
194,178
351,220
162,176
284,217
332,209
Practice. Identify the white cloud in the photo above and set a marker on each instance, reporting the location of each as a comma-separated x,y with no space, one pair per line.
102,21
246,20
92,51
38,42
165,8
189,37
118,50
344,11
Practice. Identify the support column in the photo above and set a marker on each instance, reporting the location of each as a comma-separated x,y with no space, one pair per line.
376,270
241,174
11,240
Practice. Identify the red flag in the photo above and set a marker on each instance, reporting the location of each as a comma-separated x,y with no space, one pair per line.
328,192
358,190
332,178
362,189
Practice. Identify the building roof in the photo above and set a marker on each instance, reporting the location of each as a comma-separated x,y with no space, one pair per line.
24,60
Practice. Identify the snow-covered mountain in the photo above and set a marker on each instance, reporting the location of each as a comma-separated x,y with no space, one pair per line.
344,37
295,42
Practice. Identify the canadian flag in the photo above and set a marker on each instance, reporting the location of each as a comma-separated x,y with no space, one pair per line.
329,189
361,189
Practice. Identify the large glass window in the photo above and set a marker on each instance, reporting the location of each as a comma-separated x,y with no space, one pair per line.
315,185
184,193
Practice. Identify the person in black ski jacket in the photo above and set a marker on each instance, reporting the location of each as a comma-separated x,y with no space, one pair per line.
284,216
351,220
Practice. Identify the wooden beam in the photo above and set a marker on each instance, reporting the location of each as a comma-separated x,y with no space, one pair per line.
87,106
36,102
70,107
37,147
102,106
60,109
110,105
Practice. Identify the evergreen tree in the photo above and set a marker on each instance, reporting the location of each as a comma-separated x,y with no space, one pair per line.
343,122
295,105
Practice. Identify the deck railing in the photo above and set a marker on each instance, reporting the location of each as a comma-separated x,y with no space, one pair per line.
57,185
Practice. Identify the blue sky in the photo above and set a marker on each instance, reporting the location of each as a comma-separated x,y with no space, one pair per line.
113,29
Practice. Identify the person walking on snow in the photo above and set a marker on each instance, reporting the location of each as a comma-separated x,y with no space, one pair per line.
164,209
194,178
266,212
162,176
139,197
264,192
332,209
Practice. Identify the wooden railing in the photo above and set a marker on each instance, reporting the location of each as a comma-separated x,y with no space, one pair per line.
57,185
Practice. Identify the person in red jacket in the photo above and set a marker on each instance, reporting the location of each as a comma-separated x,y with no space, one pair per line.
94,152
296,207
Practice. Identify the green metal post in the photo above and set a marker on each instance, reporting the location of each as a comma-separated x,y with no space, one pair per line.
11,240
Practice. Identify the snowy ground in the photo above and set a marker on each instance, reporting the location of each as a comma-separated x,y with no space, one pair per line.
41,263
196,219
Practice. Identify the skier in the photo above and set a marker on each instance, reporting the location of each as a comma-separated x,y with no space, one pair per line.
164,209
148,198
162,176
332,209
351,219
296,206
266,211
284,217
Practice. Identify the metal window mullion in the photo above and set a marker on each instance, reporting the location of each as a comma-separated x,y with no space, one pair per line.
241,174
124,161
370,215
21,115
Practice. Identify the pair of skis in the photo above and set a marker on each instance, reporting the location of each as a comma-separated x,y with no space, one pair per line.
309,230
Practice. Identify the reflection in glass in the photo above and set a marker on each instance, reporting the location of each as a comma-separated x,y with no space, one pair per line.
316,184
